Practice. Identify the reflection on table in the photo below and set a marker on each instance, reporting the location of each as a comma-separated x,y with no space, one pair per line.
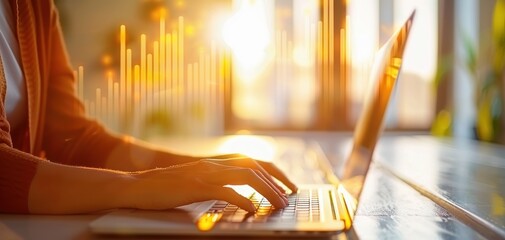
466,175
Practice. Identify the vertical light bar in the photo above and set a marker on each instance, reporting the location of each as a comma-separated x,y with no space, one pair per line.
206,83
201,77
143,75
116,105
284,64
180,72
343,62
136,88
306,37
122,69
227,74
168,67
190,91
331,50
196,84
289,66
325,60
149,71
174,61
213,83
319,54
181,51
312,44
162,79
156,75
347,45
278,61
110,98
128,88
207,76
220,92
136,96
319,71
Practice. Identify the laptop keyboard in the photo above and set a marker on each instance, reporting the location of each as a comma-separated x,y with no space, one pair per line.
303,207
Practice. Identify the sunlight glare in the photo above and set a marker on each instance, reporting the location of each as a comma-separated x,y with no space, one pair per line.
259,148
246,32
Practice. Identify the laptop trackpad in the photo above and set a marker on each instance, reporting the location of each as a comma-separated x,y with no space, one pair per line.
132,221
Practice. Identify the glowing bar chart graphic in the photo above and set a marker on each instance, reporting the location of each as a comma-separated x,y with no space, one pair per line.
156,84
160,85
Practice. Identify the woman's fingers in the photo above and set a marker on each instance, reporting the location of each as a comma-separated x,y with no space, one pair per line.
236,171
266,178
256,165
267,168
277,173
253,164
223,174
229,195
241,176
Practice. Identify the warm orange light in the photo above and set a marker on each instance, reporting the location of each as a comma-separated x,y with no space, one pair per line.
106,59
207,221
180,3
189,30
256,147
247,34
159,13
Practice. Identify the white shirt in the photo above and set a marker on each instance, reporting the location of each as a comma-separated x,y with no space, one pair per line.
16,99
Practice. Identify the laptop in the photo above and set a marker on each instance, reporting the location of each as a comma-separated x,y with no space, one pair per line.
315,210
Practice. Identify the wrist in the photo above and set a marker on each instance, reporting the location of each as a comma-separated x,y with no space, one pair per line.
165,159
123,191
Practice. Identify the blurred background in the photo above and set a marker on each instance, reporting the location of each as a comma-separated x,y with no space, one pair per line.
261,65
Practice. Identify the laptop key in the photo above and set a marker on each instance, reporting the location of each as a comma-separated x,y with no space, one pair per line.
303,206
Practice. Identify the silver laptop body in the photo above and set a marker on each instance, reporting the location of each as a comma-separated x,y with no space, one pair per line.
319,209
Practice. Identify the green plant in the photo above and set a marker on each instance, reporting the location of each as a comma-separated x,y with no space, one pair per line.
490,95
489,85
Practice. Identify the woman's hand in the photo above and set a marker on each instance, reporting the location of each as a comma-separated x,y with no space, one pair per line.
268,169
205,180
63,189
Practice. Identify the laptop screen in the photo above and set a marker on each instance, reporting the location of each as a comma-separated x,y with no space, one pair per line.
383,79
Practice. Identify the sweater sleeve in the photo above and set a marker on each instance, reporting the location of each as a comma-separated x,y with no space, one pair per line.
17,169
69,137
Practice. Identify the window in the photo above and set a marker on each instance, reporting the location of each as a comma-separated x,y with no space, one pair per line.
317,61
242,64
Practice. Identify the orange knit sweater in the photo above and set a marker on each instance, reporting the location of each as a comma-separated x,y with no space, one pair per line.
56,128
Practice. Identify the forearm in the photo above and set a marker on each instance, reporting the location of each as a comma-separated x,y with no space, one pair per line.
135,155
62,189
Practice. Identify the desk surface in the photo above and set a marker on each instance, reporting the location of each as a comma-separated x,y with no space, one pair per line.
389,208
467,175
